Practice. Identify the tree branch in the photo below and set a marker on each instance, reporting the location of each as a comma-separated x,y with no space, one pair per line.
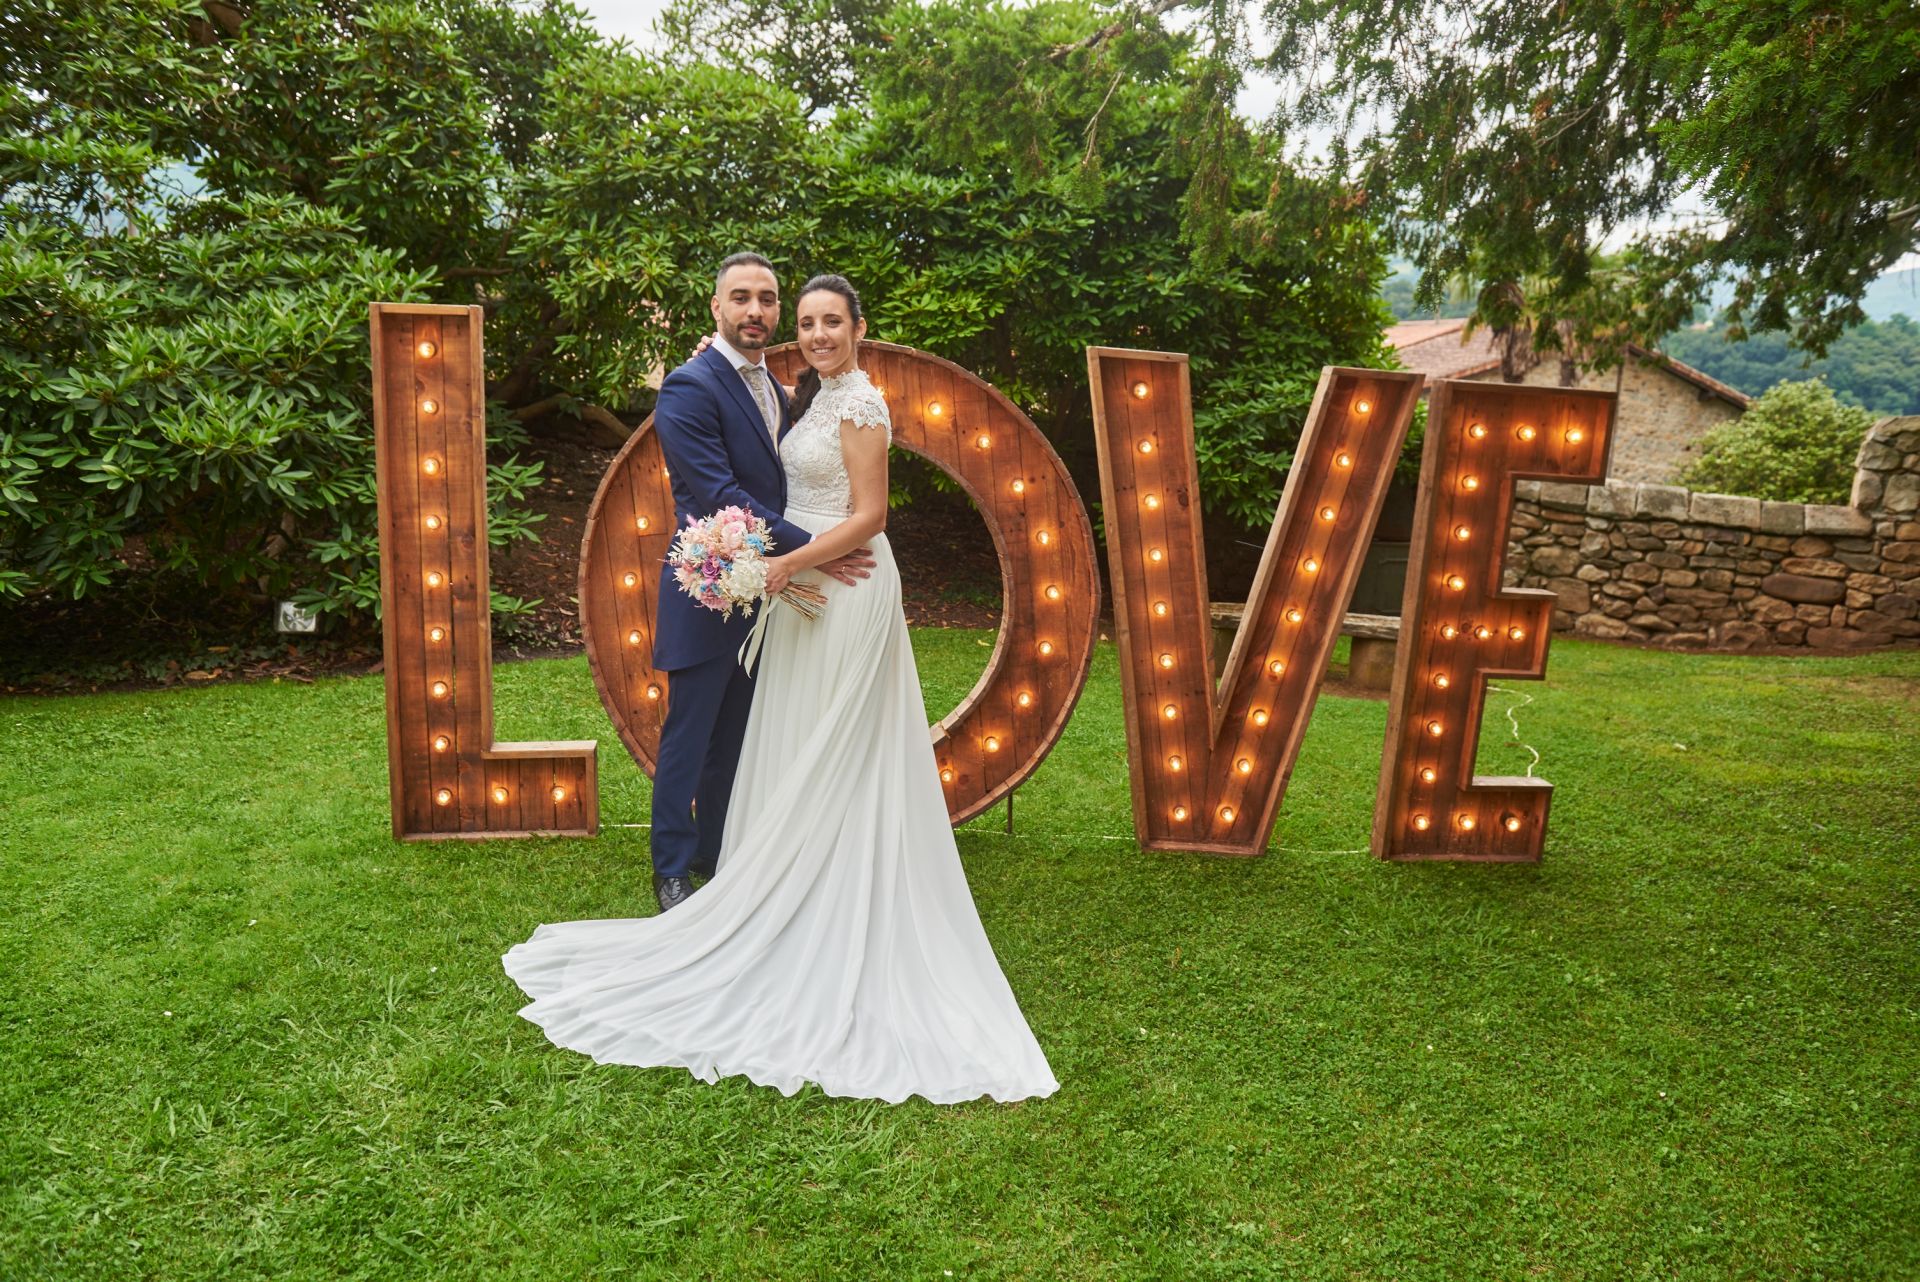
1062,52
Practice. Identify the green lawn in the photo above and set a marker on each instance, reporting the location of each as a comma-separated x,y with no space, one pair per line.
248,1035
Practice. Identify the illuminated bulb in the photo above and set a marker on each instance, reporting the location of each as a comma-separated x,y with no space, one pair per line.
1146,447
1226,814
1343,459
982,441
1310,565
435,578
429,406
1244,766
433,522
653,692
633,637
1482,632
1160,609
1510,822
946,774
1435,729
1053,592
1046,649
879,389
1428,774
664,474
500,794
630,579
641,523
441,743
444,797
1140,391
436,634
1363,407
430,465
1180,813
1516,633
1448,631
1169,712
1457,583
1326,513
1525,432
439,689
1442,680
993,743
1466,823
1276,667
559,793
1575,436
1019,487
1260,717
1174,763
1469,482
1462,533
1156,556
1421,822
1166,661
1477,431
935,409
1152,502
1294,615
1045,537
1024,699
426,349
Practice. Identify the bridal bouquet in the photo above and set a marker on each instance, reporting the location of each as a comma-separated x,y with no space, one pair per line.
721,563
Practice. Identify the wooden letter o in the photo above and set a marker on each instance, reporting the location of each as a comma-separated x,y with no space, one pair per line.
1015,713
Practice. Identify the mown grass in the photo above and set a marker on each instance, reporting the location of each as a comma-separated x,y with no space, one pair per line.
247,1035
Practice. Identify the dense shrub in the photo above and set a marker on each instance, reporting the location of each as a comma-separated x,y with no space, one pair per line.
1795,444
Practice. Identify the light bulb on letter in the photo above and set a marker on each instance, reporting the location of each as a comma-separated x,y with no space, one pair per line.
444,797
441,743
426,349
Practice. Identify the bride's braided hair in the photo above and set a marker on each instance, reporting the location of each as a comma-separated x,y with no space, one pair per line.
809,383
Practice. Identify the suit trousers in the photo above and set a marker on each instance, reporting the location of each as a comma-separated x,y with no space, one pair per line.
707,707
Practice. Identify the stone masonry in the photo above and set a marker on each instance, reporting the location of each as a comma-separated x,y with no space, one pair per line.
1664,565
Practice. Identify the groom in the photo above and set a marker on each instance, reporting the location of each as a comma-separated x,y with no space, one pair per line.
719,419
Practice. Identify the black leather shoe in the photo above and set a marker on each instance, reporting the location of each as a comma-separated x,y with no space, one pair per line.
672,891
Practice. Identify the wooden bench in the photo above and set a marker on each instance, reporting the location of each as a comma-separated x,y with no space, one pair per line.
1370,660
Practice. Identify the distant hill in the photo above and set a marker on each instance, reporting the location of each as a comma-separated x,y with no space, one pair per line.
1875,365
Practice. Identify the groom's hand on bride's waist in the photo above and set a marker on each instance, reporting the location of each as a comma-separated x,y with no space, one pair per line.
850,567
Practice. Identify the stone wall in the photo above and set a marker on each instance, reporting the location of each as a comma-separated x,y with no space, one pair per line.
1661,418
1662,564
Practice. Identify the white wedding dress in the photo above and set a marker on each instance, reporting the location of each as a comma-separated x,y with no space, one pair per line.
838,943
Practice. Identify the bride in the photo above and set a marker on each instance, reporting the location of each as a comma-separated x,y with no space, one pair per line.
837,942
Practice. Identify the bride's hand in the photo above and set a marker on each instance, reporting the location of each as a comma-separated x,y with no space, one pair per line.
778,576
706,341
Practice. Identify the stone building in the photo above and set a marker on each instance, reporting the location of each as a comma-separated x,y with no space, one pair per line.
1665,407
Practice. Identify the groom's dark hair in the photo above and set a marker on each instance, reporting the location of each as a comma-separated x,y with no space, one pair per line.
732,261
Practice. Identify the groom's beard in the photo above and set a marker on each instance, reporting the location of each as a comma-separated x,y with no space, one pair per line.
746,338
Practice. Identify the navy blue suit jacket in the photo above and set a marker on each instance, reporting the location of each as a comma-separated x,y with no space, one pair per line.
718,454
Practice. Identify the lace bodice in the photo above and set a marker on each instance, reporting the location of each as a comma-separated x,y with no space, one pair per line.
810,452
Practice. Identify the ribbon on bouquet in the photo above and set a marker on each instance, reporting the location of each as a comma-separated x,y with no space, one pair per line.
750,648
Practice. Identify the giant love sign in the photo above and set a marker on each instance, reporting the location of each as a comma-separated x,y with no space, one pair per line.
1209,763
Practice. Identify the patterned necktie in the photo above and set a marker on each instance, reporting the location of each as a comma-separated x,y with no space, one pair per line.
756,377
